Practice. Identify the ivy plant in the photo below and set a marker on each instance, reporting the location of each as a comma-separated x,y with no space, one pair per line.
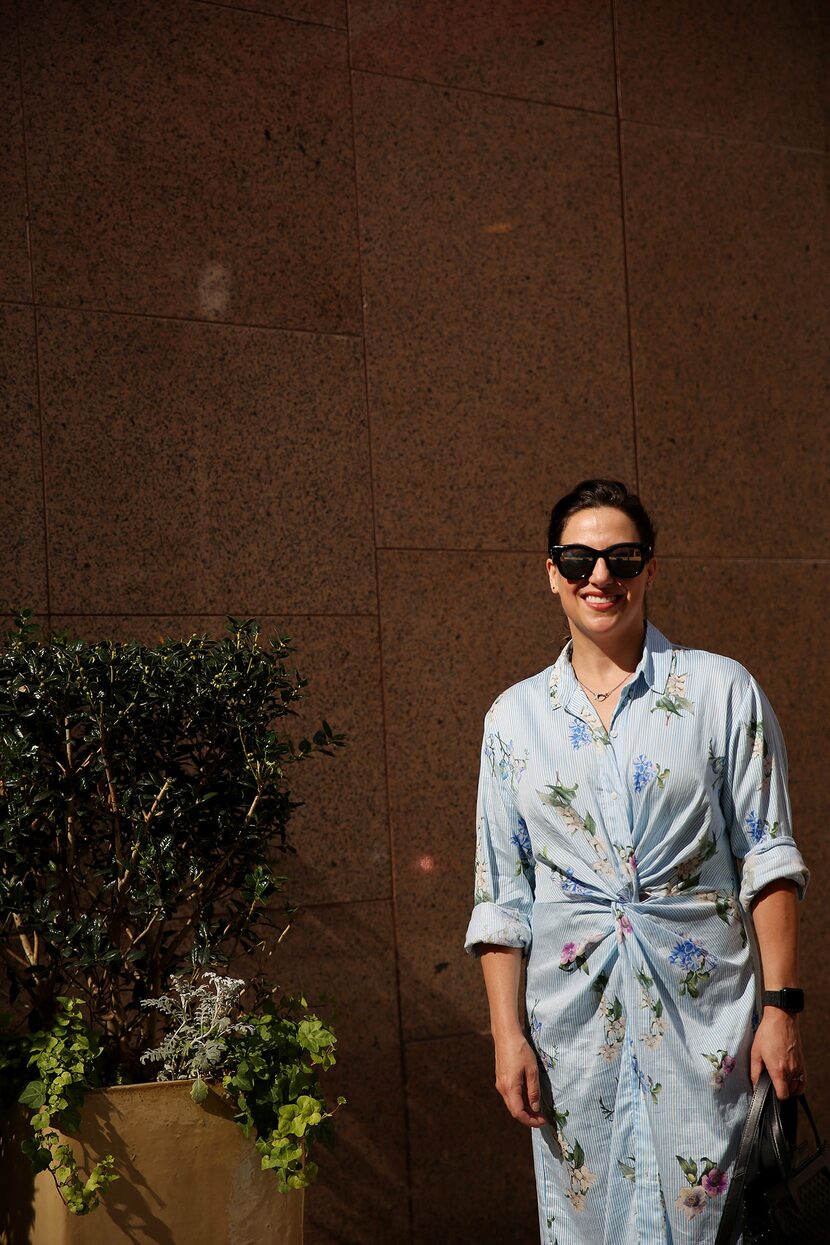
269,1063
144,810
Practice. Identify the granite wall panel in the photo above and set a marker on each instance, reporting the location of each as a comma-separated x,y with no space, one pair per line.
495,310
752,71
23,550
190,160
15,273
728,269
191,465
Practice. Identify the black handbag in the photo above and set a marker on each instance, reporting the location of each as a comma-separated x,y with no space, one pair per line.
780,1186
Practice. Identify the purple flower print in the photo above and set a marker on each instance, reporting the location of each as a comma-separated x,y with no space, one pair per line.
568,953
714,1182
624,927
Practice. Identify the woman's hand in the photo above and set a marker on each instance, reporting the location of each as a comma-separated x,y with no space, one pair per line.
517,1078
777,1047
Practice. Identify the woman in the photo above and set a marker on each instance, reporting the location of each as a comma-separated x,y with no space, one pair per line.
632,812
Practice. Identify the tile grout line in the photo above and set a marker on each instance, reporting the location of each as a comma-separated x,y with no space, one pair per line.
626,275
276,614
35,310
280,17
473,90
593,112
154,315
383,703
540,553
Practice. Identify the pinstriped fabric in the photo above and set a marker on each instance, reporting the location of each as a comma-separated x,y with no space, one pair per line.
622,862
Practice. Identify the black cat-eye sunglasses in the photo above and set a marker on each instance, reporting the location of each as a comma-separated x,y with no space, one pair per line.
624,561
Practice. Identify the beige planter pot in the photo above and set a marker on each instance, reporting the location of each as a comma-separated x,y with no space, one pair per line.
187,1177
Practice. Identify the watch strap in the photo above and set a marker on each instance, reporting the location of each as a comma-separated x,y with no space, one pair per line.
789,999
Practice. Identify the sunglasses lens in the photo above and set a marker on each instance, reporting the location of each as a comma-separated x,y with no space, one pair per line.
575,563
626,561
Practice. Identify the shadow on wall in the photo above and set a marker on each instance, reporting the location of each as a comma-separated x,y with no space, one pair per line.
16,1215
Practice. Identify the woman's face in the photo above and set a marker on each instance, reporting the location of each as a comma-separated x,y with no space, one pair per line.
602,605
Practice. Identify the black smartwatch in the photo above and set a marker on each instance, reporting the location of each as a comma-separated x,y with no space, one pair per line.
788,999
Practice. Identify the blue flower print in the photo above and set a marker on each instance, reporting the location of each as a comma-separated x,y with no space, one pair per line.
520,838
580,734
645,771
755,826
698,962
571,886
509,766
760,829
648,1087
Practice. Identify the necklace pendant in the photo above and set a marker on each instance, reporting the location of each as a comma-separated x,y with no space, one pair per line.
602,695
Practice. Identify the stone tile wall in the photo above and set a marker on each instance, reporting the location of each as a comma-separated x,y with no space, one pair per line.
310,310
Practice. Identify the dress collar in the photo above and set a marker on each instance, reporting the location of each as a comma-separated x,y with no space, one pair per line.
654,666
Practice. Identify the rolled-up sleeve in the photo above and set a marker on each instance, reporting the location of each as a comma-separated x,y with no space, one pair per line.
504,870
756,800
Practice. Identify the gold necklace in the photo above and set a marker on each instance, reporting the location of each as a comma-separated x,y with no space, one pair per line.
598,695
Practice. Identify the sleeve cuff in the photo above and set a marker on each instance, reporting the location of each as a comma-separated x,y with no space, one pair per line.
771,862
503,927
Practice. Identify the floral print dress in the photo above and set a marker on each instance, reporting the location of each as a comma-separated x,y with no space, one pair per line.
623,863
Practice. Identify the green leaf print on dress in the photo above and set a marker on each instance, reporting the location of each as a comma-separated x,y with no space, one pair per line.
722,1064
580,1177
547,1057
648,1087
557,795
674,700
657,1024
687,872
482,892
755,731
613,1021
726,907
717,764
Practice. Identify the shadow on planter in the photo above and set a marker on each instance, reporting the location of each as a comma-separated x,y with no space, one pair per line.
187,1176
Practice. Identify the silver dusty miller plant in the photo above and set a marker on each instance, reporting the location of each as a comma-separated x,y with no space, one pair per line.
199,1022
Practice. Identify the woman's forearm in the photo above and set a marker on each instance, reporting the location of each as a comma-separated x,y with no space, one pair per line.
775,917
502,968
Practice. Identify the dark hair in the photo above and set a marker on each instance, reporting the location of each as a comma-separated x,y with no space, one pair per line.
589,495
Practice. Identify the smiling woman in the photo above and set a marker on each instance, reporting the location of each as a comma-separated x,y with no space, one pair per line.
633,828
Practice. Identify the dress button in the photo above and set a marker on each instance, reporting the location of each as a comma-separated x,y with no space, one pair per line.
613,795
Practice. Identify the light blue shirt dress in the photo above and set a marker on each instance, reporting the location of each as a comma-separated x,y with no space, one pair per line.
622,862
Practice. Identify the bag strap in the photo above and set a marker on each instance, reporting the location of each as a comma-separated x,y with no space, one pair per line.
733,1208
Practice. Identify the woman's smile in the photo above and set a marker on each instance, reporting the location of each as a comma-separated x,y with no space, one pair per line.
601,603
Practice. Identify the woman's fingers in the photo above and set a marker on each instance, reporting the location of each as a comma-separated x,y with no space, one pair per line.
777,1047
534,1094
517,1080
